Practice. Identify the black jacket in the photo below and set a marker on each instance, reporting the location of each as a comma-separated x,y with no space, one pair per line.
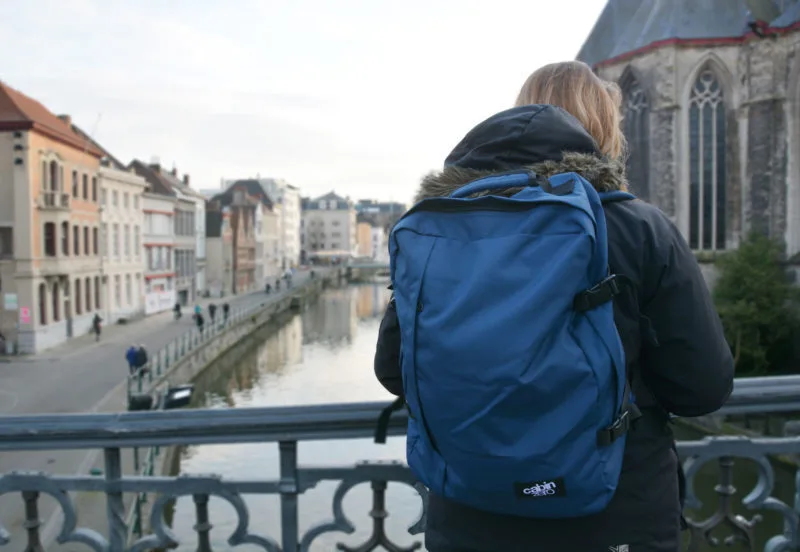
677,356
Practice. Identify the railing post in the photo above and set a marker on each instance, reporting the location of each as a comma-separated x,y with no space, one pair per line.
32,521
203,526
115,505
289,524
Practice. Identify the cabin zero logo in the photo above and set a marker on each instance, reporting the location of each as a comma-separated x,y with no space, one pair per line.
543,489
620,548
547,487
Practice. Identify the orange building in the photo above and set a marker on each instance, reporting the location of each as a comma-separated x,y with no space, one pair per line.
51,282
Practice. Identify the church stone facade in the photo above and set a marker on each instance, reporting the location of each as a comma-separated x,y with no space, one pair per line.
711,100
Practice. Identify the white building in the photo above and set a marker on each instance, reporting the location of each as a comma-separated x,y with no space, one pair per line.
122,224
159,242
380,247
329,227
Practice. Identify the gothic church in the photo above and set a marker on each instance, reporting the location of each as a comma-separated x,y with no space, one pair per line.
712,112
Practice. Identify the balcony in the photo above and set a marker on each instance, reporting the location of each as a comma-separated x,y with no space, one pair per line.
286,426
50,200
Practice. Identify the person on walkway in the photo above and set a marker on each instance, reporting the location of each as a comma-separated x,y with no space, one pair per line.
141,358
200,321
97,323
212,310
130,356
663,324
177,310
226,308
198,309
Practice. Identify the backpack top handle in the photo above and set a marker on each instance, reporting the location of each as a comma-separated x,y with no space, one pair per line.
512,179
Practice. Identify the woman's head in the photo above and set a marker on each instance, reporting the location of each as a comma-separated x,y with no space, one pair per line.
572,86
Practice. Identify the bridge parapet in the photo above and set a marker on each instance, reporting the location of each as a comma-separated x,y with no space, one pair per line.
287,426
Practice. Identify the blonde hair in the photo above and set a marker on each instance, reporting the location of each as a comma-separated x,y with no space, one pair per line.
573,86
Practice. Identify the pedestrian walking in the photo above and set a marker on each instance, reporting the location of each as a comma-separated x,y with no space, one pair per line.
212,311
130,356
97,326
226,308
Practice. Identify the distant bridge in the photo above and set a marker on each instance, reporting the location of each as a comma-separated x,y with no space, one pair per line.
369,266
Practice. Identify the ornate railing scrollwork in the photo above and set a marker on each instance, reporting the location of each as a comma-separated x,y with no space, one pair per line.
285,427
31,486
378,474
740,529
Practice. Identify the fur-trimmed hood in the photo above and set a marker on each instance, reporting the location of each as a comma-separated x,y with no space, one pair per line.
605,175
542,138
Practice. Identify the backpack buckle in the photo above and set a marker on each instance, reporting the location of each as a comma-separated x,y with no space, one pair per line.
597,295
621,425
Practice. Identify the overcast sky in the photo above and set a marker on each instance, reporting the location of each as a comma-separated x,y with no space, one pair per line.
360,97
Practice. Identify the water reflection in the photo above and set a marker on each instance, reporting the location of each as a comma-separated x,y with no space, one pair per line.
325,355
322,355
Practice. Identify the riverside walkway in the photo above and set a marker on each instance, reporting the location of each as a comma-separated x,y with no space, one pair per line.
84,376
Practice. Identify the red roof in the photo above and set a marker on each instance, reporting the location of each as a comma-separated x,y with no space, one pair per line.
19,112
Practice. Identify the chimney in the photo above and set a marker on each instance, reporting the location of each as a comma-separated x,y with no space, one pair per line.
66,118
186,179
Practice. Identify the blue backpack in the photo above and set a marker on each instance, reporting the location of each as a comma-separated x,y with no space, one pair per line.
513,370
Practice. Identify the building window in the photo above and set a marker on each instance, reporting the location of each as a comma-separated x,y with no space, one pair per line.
65,238
56,303
114,198
137,246
636,126
78,297
115,240
125,200
86,243
44,176
85,186
128,289
127,242
88,294
104,241
707,174
94,189
117,291
95,241
76,240
54,176
136,202
103,196
6,242
50,239
98,305
42,304
74,183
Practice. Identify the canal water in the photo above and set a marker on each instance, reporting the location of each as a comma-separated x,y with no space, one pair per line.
324,355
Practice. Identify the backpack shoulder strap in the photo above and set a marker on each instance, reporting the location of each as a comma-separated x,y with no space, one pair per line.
615,196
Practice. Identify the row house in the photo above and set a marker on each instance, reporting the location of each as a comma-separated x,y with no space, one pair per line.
50,264
371,239
219,250
121,224
287,205
241,209
188,249
159,242
269,260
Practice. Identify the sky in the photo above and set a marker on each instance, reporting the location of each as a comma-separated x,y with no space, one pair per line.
359,97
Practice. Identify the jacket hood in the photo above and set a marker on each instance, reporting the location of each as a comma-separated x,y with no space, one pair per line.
542,138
